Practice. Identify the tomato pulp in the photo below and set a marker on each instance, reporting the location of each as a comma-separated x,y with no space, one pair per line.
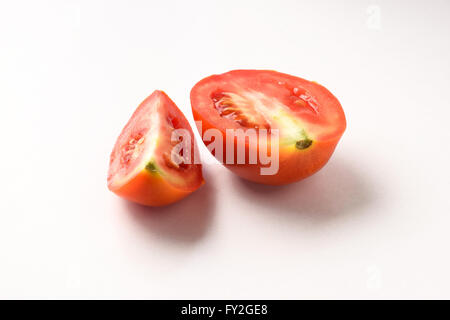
308,118
143,167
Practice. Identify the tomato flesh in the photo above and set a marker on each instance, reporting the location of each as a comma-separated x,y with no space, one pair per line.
142,165
309,119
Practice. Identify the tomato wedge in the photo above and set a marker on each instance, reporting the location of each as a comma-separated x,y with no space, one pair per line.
142,166
308,118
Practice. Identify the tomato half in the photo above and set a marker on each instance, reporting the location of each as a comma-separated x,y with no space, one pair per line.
309,119
142,166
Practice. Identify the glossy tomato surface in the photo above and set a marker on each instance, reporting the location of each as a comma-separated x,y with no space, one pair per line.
308,118
142,165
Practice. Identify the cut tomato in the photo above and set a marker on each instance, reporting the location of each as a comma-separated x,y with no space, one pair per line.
143,166
308,118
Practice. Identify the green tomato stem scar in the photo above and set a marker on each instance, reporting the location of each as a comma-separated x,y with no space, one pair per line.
151,167
304,143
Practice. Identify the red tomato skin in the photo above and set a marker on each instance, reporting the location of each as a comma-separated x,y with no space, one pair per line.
294,165
150,189
292,168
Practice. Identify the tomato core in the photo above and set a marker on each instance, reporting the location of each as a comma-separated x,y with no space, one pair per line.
241,110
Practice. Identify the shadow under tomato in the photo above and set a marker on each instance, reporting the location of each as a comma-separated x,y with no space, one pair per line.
333,192
186,220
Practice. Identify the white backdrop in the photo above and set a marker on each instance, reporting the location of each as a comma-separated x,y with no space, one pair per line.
372,224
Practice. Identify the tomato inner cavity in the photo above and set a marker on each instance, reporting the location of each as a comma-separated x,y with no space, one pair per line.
239,109
132,149
172,159
301,98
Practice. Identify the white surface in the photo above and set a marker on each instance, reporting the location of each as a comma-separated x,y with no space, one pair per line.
374,223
